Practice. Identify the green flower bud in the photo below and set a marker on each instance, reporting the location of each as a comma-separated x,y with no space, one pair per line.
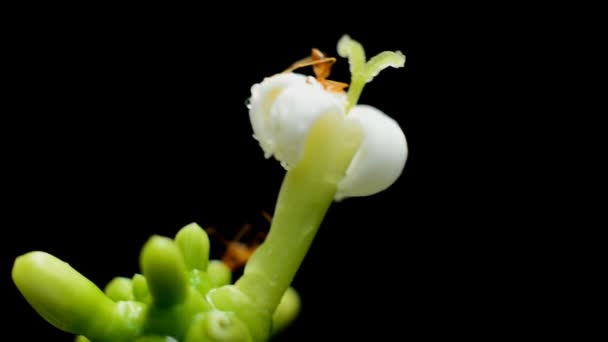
163,266
218,326
175,320
193,243
287,311
141,293
120,289
200,281
219,273
71,302
61,295
230,299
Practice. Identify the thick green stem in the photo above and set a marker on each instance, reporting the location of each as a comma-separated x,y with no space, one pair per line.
306,194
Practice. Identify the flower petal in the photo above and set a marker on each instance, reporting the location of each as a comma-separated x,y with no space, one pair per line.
294,112
263,96
381,157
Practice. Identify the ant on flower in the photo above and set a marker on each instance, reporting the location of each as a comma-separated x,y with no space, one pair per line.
321,66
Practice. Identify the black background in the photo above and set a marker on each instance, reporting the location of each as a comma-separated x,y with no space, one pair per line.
123,125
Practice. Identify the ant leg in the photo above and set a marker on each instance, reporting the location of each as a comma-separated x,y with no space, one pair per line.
246,228
334,86
308,62
267,216
299,64
211,231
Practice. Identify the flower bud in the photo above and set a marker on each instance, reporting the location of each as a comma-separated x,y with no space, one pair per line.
283,108
380,158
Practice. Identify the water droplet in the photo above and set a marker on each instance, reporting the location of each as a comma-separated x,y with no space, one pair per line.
248,103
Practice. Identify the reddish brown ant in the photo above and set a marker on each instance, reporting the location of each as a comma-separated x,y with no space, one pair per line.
237,253
321,66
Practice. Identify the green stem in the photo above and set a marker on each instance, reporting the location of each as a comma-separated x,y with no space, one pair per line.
354,91
305,196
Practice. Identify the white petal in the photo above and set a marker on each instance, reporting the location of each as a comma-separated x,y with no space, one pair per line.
380,159
262,98
294,112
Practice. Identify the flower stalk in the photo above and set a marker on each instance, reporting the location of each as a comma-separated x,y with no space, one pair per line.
305,196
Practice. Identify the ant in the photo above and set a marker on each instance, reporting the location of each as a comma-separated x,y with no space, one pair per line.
321,66
237,253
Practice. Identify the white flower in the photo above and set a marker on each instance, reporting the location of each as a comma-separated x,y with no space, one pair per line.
380,158
282,110
263,95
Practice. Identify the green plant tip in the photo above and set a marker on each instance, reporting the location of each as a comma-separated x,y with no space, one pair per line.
362,72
